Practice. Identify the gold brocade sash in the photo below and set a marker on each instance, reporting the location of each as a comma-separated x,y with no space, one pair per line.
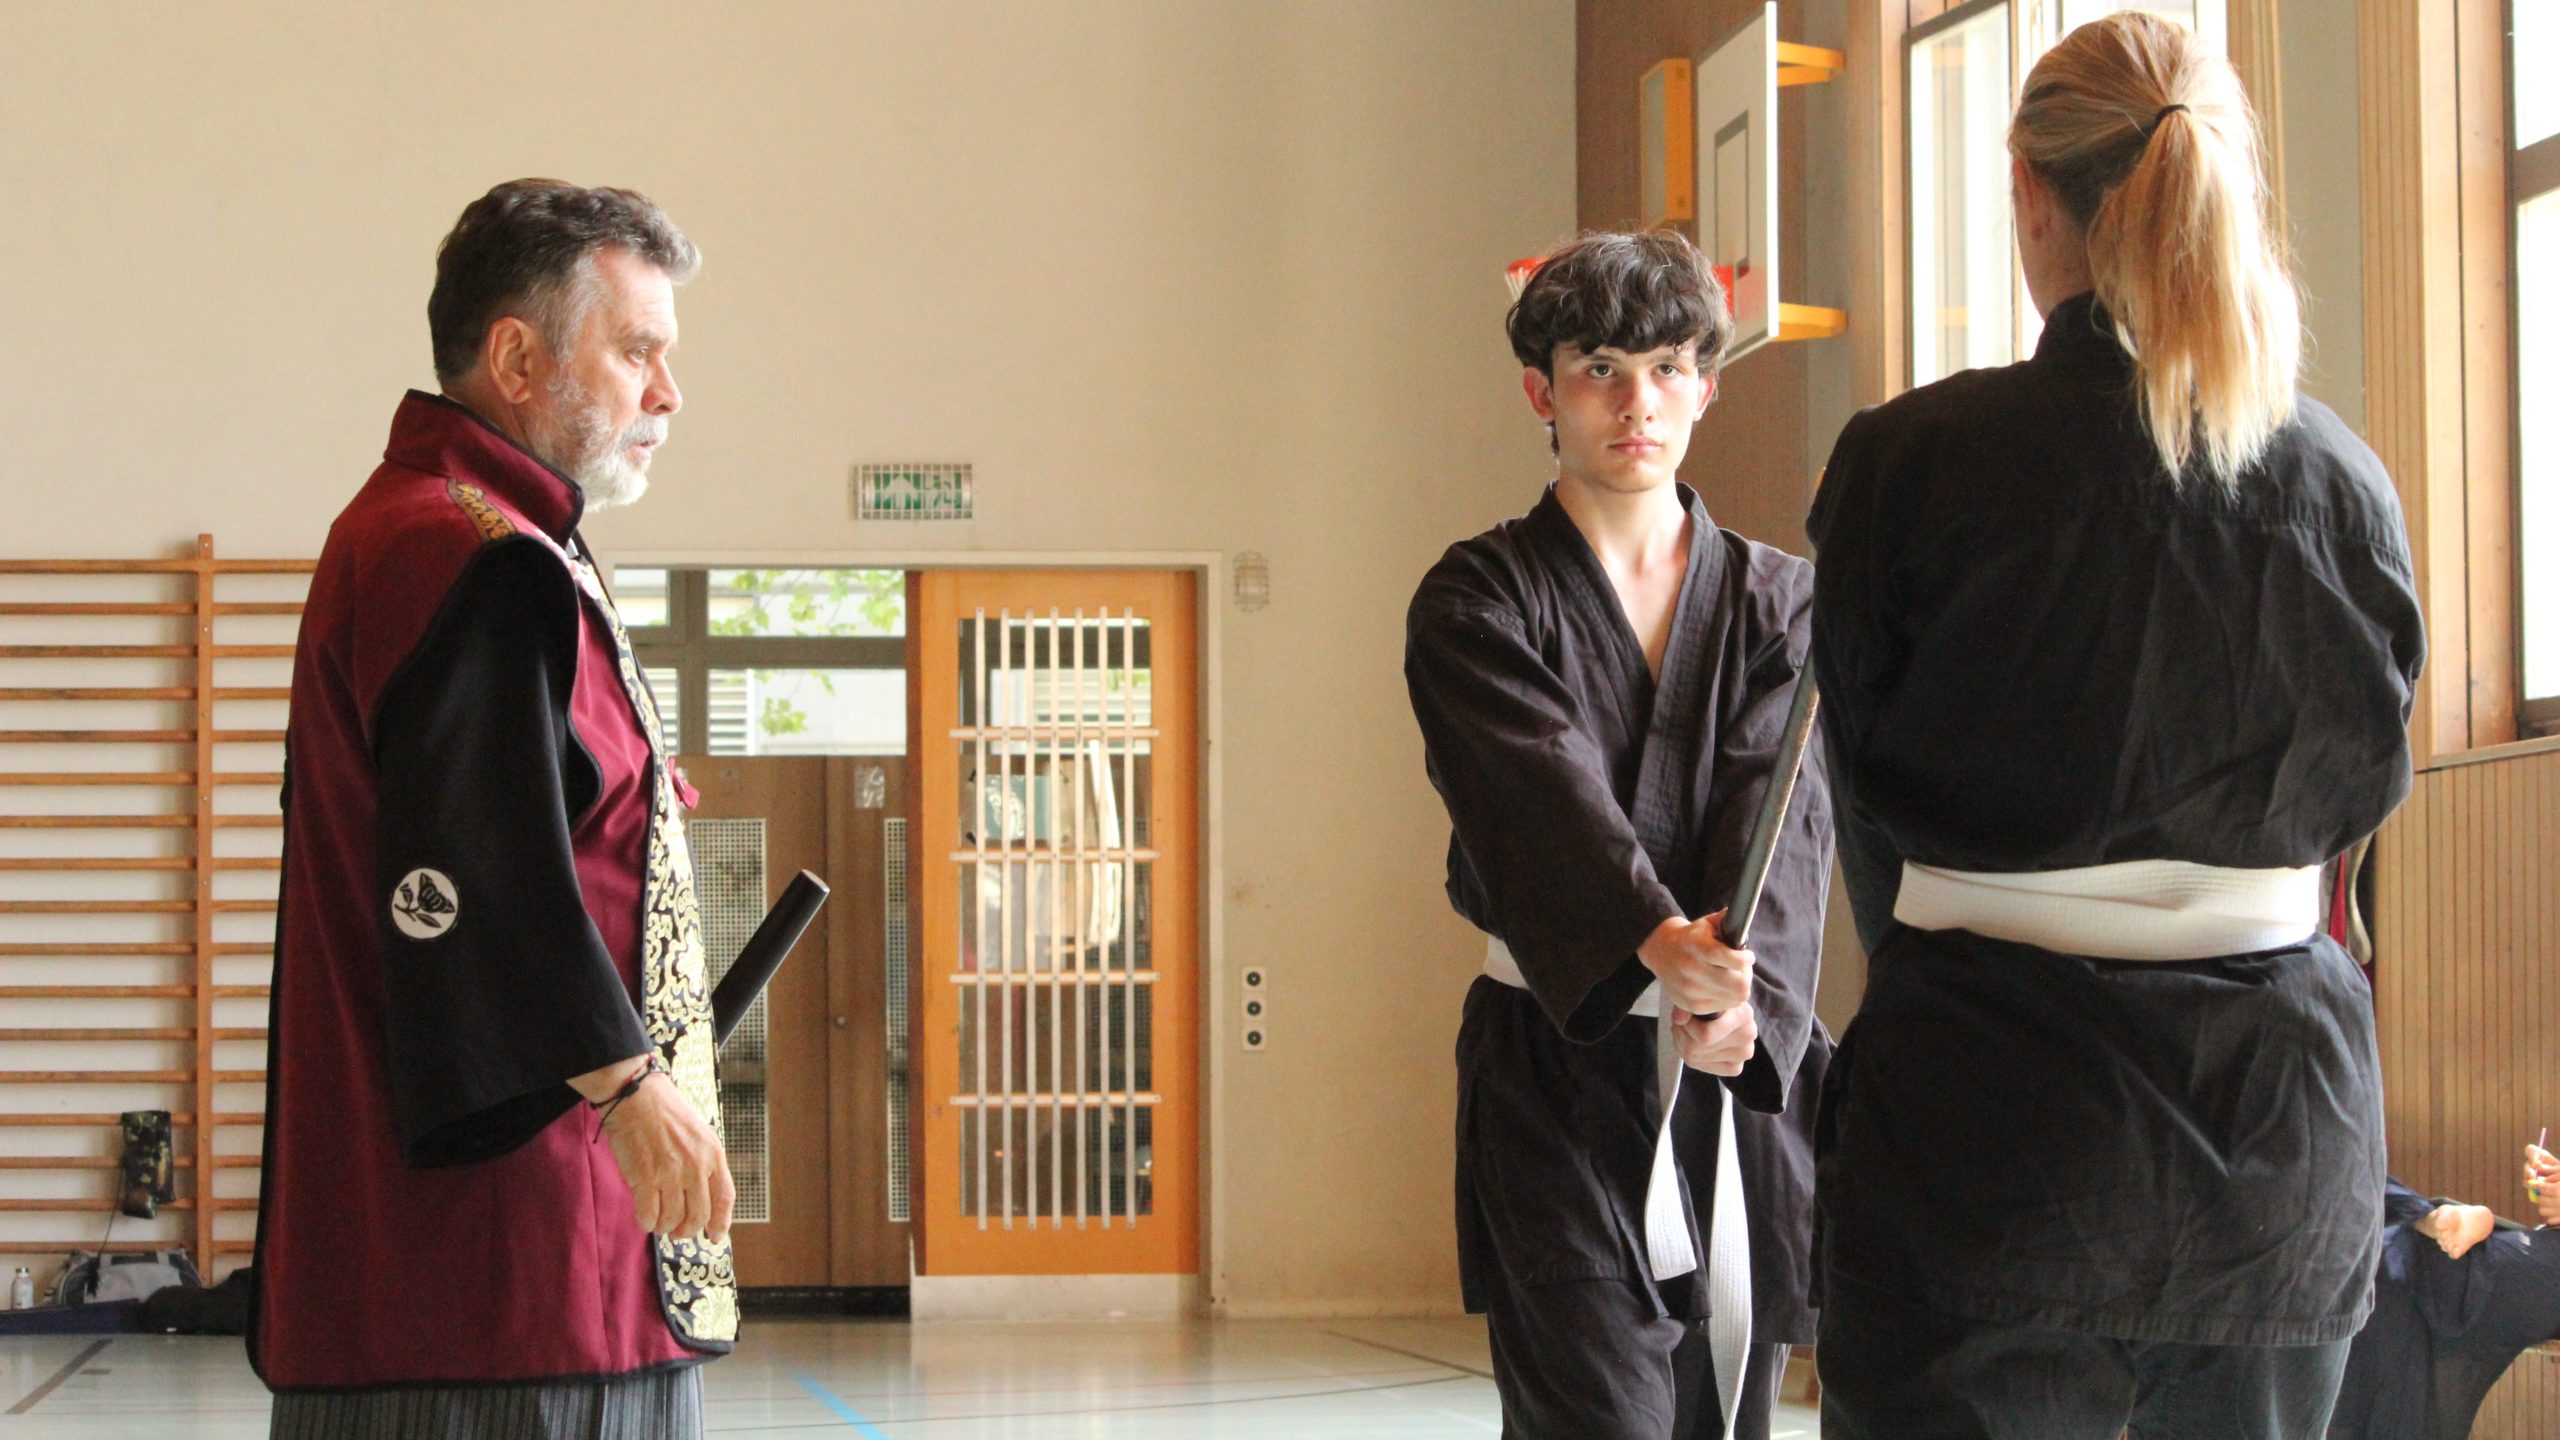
697,1280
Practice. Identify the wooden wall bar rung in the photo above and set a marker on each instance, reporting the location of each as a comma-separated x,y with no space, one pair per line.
124,1077
95,822
90,949
96,652
97,907
90,1242
95,1077
93,607
182,716
178,1119
79,1162
94,992
98,692
45,1034
55,779
200,564
86,1207
96,737
98,863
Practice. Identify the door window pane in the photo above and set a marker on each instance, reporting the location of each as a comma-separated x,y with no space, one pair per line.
1962,304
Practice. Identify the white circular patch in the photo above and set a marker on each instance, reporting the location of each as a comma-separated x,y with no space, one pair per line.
427,905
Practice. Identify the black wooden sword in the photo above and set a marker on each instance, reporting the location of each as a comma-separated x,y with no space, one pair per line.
1772,819
764,953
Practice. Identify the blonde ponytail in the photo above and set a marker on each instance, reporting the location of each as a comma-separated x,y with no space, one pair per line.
2151,145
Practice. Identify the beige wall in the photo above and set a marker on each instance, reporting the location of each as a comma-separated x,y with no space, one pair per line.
1176,277
2323,196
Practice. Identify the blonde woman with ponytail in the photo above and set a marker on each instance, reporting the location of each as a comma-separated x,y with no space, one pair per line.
2117,647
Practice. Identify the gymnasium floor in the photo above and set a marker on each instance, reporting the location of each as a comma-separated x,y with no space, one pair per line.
812,1379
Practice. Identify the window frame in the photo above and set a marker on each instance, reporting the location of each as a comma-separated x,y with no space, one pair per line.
2533,172
2035,26
686,645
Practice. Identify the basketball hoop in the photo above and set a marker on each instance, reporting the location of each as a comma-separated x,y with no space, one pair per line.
1517,273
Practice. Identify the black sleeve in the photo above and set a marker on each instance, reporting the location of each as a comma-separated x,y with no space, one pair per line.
1571,889
2400,1204
1857,659
497,987
1786,933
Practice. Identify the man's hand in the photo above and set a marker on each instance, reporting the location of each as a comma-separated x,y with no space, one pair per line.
1717,1044
2456,1228
2542,1182
1699,973
679,1175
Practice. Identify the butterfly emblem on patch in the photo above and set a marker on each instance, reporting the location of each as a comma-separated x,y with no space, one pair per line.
426,905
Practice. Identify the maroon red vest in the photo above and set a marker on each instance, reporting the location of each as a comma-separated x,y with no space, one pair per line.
529,1265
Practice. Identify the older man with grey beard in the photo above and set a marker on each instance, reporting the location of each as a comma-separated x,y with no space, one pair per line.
495,1202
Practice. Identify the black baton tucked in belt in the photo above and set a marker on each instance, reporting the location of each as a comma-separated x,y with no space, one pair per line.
764,952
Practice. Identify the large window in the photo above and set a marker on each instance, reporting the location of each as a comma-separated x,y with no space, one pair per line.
2534,189
1969,305
773,662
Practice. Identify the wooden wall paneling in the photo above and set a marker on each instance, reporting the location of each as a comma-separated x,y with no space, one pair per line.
2469,920
2413,353
1876,80
787,794
188,718
869,1248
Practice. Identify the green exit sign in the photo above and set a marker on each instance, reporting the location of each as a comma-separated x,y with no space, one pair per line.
914,492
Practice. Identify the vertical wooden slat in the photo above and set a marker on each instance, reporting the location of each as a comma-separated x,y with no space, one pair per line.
203,854
2257,53
1084,873
2407,83
2488,475
1129,911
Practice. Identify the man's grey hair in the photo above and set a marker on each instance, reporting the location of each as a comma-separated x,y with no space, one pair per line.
527,249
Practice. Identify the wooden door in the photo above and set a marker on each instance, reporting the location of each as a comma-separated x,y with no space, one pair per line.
1054,728
805,1081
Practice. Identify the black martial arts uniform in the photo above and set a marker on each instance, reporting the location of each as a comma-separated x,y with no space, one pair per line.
2444,1330
2037,654
1590,803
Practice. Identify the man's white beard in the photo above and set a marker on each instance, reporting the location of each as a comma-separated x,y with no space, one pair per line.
584,448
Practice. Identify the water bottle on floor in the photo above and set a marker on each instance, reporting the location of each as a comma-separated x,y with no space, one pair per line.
22,1290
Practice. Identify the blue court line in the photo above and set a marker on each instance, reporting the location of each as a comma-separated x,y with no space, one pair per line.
844,1412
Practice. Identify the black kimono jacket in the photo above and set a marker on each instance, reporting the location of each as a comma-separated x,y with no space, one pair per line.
2443,1330
1590,803
2037,653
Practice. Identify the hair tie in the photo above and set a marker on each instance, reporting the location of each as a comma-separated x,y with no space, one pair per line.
2164,113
